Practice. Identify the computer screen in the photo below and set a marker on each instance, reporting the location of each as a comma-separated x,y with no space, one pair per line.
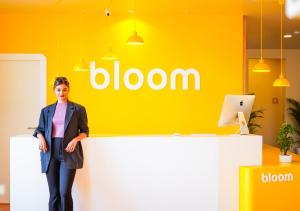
236,110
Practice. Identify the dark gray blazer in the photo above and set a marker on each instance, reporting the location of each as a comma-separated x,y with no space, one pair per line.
75,123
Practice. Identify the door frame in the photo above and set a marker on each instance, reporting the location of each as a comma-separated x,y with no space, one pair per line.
41,58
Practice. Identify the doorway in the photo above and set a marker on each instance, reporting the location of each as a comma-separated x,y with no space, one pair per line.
23,90
270,99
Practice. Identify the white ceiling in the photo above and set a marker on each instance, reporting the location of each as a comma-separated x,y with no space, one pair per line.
250,8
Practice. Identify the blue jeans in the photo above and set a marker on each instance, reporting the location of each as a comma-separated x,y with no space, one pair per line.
60,179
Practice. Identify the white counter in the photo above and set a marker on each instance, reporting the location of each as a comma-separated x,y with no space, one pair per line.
141,173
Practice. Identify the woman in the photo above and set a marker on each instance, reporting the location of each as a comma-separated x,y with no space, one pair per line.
62,126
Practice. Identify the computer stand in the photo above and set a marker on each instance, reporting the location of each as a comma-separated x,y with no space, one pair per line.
243,124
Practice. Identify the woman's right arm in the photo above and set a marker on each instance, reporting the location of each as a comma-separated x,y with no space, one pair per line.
43,143
40,132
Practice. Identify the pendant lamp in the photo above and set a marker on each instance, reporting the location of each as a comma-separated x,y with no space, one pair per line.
261,66
109,56
81,65
135,39
281,81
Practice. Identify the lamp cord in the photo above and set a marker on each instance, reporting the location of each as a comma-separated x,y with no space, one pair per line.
261,28
58,44
134,16
281,8
80,35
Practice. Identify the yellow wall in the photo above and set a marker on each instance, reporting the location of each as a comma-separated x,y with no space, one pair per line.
211,43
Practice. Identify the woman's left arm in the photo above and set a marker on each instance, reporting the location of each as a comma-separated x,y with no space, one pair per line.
83,130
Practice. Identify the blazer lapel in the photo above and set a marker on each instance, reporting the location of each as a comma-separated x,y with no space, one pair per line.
69,113
50,115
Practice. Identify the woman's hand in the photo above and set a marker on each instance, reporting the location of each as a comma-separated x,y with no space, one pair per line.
42,144
71,145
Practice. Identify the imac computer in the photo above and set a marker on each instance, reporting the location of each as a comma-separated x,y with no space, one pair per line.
236,110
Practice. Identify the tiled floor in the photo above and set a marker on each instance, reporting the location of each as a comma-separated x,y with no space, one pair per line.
4,207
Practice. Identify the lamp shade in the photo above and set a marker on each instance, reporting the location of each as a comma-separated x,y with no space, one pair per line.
109,55
81,66
135,39
261,67
281,82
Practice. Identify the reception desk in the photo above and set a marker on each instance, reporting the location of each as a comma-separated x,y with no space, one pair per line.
141,173
271,186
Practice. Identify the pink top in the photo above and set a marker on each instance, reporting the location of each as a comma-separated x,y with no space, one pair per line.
58,121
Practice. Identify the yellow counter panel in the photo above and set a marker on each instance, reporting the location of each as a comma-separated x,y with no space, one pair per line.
272,186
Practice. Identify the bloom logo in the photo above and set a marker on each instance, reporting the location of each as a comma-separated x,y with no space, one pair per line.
271,178
134,71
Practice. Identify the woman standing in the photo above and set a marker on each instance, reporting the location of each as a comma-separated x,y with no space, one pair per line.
62,126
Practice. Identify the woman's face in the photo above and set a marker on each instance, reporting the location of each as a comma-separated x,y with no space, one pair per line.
61,91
